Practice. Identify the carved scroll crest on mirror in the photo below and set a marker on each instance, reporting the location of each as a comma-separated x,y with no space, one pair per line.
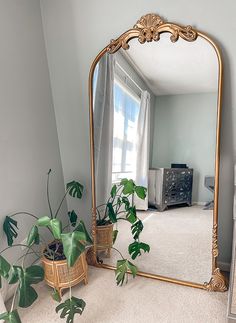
149,29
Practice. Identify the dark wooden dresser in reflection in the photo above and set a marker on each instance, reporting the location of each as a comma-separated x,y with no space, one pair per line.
169,186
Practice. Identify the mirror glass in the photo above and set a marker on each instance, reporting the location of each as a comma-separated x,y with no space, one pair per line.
155,118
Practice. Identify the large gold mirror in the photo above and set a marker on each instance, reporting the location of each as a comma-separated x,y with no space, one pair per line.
155,106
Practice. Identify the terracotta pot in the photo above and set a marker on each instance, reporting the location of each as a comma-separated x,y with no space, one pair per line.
57,275
104,238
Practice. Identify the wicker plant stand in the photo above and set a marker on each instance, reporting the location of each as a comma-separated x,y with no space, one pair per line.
104,238
59,276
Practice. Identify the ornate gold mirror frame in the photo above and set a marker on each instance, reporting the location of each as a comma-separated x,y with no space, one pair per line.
147,29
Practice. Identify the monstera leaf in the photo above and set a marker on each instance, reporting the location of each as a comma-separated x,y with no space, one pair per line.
111,213
10,317
9,227
122,268
72,246
71,307
124,181
113,190
126,202
136,247
13,275
136,229
82,228
75,189
27,277
128,187
4,269
131,215
114,235
73,218
33,236
141,192
54,224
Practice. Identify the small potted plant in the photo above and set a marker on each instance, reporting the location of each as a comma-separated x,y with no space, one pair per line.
120,207
63,258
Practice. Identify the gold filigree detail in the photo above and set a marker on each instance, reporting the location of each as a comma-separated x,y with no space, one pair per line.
217,283
91,254
215,250
148,28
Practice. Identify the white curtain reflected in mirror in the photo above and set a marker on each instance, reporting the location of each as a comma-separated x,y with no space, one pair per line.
155,116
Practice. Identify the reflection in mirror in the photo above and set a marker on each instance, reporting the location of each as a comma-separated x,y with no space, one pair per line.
155,116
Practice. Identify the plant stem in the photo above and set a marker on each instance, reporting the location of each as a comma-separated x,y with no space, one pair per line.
118,252
26,213
35,261
58,209
23,261
68,271
14,298
20,245
29,253
49,204
99,215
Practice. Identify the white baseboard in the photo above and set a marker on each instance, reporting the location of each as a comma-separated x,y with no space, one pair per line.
199,203
224,266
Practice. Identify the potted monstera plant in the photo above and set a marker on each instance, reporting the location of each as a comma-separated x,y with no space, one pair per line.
62,257
120,206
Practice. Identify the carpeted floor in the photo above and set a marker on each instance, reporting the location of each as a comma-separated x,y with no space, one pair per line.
141,300
180,241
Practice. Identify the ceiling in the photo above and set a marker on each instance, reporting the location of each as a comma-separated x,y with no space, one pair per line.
175,68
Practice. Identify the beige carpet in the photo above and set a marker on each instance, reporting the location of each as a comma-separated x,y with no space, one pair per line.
142,300
180,241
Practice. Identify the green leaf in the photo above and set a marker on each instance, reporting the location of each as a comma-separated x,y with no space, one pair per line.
73,218
43,221
10,317
141,191
27,277
4,268
126,201
136,247
136,229
113,190
72,246
56,227
82,228
71,307
122,268
124,181
33,236
9,227
56,296
132,268
128,187
131,215
75,189
111,213
114,235
54,224
13,275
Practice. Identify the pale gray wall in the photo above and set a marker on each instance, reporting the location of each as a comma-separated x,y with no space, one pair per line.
185,132
28,135
76,31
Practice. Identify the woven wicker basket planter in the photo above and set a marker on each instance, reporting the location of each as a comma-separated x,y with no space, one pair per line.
104,238
58,277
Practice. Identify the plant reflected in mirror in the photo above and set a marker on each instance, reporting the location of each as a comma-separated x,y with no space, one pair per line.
120,207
